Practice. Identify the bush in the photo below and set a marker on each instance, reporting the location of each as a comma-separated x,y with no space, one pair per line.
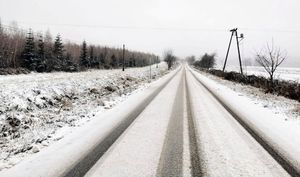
283,88
207,61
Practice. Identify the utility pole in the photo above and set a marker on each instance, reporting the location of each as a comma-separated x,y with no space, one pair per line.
234,32
150,67
123,62
156,61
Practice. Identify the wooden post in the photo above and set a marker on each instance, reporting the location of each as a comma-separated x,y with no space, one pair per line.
123,62
228,51
150,67
239,53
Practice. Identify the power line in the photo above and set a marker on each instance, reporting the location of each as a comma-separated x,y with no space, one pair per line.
271,30
128,27
153,28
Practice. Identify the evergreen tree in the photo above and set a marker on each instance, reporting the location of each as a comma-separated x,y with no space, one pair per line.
48,51
83,56
41,60
69,65
58,50
114,62
28,55
92,58
91,52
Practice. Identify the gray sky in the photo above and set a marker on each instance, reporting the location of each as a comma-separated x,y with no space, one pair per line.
186,26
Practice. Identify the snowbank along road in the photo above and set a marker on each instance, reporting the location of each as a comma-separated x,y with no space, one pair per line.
177,127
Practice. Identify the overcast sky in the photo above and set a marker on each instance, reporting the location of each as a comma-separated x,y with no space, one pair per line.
186,26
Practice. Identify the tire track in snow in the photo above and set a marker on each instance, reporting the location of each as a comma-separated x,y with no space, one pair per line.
82,167
196,169
171,159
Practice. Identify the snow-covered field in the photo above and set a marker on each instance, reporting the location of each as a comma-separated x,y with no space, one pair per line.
39,109
282,73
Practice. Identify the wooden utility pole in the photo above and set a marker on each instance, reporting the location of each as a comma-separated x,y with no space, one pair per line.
157,62
234,32
123,62
238,48
150,67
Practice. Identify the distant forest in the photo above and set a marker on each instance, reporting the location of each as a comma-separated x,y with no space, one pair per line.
37,51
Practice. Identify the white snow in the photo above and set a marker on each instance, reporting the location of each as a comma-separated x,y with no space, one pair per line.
63,155
137,152
282,73
226,149
282,133
51,105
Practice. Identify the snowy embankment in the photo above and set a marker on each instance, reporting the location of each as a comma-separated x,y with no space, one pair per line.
280,133
282,73
39,109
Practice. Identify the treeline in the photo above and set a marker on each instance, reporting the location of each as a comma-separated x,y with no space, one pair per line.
40,52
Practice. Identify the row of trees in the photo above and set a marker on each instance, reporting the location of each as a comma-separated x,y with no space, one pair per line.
39,52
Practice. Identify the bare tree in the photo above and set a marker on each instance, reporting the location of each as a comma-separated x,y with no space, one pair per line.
169,58
270,58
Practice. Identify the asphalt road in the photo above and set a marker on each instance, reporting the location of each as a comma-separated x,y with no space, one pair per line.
185,131
175,128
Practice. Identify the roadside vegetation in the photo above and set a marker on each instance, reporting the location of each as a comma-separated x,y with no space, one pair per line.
169,58
207,61
23,51
270,58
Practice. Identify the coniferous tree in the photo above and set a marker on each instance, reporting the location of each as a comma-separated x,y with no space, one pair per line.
41,60
48,48
58,50
28,55
69,65
33,53
114,62
83,56
92,58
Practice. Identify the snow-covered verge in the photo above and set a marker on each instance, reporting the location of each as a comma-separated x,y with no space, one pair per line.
282,73
78,151
39,109
276,119
287,108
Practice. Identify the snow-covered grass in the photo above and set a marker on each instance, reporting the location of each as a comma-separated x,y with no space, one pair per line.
39,109
289,109
282,73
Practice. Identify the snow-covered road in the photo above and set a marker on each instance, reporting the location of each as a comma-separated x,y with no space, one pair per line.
177,127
